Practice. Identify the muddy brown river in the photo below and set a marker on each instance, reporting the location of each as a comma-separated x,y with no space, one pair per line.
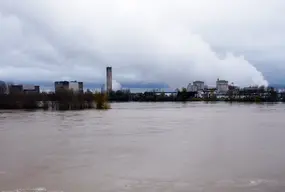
145,147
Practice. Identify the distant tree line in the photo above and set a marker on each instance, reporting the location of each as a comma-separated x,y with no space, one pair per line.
63,100
67,100
150,96
242,95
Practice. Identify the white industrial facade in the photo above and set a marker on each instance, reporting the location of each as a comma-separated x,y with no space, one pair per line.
191,88
196,86
222,86
199,84
73,86
28,87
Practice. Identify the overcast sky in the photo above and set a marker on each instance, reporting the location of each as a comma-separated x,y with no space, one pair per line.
143,40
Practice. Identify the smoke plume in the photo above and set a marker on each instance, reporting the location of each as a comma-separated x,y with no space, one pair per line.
141,40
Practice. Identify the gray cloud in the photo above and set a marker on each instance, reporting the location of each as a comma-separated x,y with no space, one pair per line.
161,41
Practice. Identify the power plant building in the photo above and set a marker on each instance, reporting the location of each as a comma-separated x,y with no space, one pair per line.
73,86
196,86
222,86
17,89
200,85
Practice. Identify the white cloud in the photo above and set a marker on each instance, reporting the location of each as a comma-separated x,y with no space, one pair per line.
162,41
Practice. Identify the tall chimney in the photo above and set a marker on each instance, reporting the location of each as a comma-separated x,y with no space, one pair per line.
109,79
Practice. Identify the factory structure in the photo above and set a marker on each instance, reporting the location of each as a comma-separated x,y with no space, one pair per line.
11,88
74,86
196,86
221,88
77,87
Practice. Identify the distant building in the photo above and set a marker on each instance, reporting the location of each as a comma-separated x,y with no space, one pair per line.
109,79
3,88
74,86
210,92
103,88
200,85
31,89
192,88
15,89
222,86
61,85
80,85
196,86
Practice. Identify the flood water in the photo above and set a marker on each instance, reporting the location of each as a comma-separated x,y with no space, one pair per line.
145,147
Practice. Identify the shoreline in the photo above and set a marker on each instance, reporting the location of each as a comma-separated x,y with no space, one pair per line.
50,108
68,100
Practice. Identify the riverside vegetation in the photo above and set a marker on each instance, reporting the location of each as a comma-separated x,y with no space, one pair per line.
63,100
67,100
241,95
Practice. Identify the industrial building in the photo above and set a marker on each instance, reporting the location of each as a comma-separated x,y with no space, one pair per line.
3,87
200,85
191,88
73,86
109,79
16,89
222,86
31,89
196,86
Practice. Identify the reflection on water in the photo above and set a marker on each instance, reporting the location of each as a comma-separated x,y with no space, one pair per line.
145,147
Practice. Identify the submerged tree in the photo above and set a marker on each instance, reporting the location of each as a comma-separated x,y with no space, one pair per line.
101,100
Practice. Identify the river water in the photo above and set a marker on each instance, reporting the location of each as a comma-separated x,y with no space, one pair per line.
145,147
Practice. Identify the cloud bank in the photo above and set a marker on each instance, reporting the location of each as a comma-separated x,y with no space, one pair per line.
162,41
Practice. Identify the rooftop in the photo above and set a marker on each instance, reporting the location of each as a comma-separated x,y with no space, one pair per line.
222,81
198,82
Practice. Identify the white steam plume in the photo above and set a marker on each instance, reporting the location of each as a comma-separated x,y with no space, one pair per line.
116,85
141,40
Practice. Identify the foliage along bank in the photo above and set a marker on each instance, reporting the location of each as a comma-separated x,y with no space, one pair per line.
64,100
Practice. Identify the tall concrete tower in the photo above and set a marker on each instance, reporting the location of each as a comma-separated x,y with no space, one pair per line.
109,79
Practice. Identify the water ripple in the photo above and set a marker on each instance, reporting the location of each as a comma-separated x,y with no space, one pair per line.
40,189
